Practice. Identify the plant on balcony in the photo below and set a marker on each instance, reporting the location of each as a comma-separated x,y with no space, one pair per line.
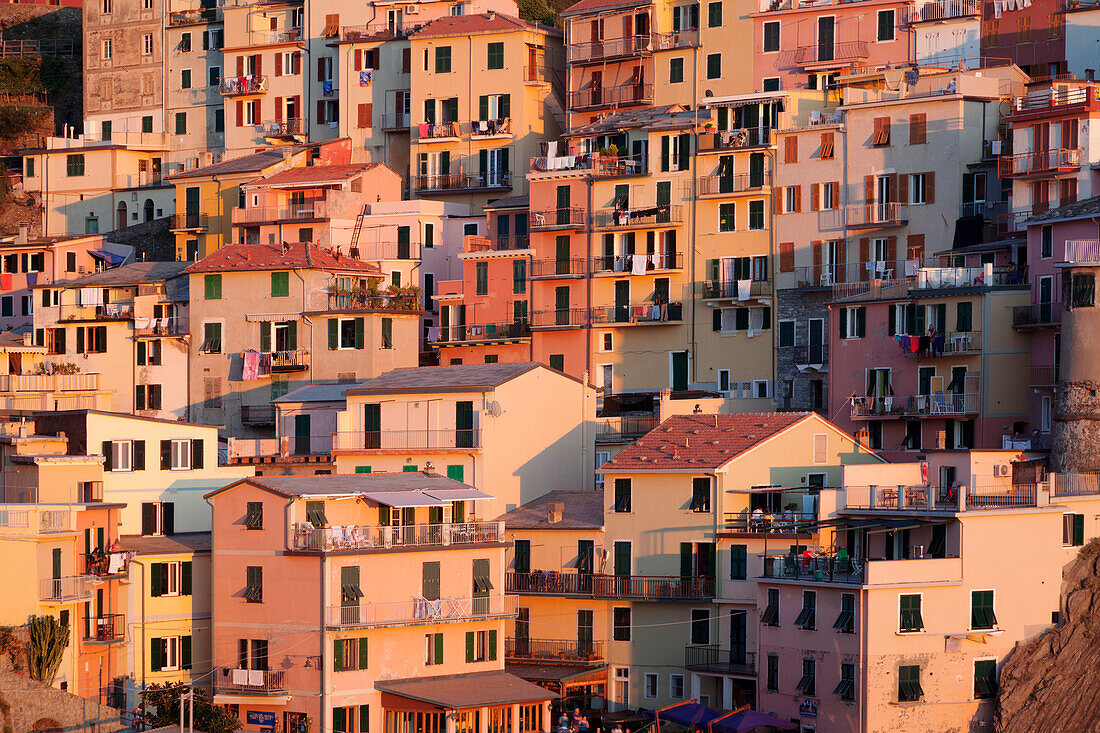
403,298
162,708
56,368
47,643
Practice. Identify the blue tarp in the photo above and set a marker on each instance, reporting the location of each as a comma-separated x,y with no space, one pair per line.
109,257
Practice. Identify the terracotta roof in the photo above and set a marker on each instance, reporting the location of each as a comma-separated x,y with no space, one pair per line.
314,174
245,164
464,377
583,509
172,544
701,442
135,273
464,25
470,690
297,256
586,5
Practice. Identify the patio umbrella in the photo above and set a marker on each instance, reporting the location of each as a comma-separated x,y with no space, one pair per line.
749,720
689,714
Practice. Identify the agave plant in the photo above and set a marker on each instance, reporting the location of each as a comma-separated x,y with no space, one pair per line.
47,644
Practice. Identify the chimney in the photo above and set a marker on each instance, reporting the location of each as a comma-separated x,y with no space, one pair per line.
24,233
554,512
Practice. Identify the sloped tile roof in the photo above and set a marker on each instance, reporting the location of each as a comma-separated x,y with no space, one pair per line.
315,174
462,25
444,378
582,509
296,256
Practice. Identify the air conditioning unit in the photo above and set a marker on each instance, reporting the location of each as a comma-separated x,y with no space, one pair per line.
1001,470
412,9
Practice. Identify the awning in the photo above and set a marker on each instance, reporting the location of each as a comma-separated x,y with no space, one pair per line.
468,494
750,720
267,317
463,691
743,100
229,699
689,714
109,257
405,499
565,674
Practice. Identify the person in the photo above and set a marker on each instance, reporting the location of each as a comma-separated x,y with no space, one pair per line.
768,519
582,724
757,520
617,729
563,723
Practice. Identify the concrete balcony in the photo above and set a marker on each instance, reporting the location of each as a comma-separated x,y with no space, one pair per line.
936,10
632,587
1042,162
404,440
825,55
471,333
49,382
312,211
914,406
261,682
198,16
717,186
710,659
188,222
639,216
836,569
637,264
257,415
106,629
731,290
551,219
955,343
624,428
876,215
553,650
236,86
291,130
625,94
420,611
68,589
742,137
463,182
107,564
554,268
1083,252
31,520
558,318
153,327
933,499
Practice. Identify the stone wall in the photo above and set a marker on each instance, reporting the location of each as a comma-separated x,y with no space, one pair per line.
800,305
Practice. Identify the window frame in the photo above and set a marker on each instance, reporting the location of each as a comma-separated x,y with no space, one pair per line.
911,628
879,17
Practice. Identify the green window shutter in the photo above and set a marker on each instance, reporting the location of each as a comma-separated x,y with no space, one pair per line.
716,319
333,334
685,151
362,469
156,654
483,107
664,153
861,322
155,571
280,284
265,336
439,648
482,163
185,578
292,335
506,107
185,652
492,645
363,653
339,720
469,646
364,719
1078,530
337,655
213,285
456,472
359,330
686,560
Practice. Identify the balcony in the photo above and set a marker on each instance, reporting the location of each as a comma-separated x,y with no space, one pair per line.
376,32
289,361
438,131
30,520
831,55
372,251
741,137
1041,100
420,611
633,587
624,428
107,564
933,499
236,86
829,569
536,75
731,184
365,537
274,37
624,94
955,343
591,52
67,589
194,17
1083,251
651,216
255,215
877,215
1036,315
292,129
153,327
805,354
395,122
106,629
553,650
257,415
1041,162
556,219
484,332
558,318
49,382
1043,375
120,311
787,524
710,659
463,182
397,302
594,164
260,682
546,269
731,289
497,243
937,405
407,440
641,314
637,264
943,10
188,222
254,450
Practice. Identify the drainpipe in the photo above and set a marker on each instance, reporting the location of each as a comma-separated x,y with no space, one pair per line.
588,276
692,356
323,714
770,156
143,644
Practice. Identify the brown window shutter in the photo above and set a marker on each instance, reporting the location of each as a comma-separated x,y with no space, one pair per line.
841,258
278,109
930,187
320,112
892,252
240,66
836,194
816,247
885,130
257,64
826,145
815,196
903,188
358,59
298,105
914,248
297,58
321,69
406,60
869,189
786,256
894,190
864,256
240,113
365,115
797,199
278,64
790,149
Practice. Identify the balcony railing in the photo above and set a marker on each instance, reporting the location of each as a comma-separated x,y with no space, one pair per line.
556,219
257,414
622,428
395,121
602,166
478,332
274,37
1058,96
170,326
293,127
497,243
638,264
238,85
120,311
640,313
923,498
835,53
286,445
819,569
637,587
49,382
194,17
536,75
625,94
289,361
35,521
741,137
571,267
639,217
734,289
376,31
737,183
67,589
875,215
710,658
943,10
420,611
785,523
249,681
463,181
295,212
1042,161
407,440
182,222
559,318
365,537
1083,251
553,650
445,130
949,343
916,405
105,564
594,51
106,629
1075,484
1043,375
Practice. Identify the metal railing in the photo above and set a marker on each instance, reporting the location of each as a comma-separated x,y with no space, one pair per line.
195,16
873,215
819,569
711,658
274,37
103,564
365,537
249,681
463,181
737,183
561,317
317,209
497,243
571,218
732,289
624,427
943,10
1042,375
70,588
638,587
638,313
420,611
1057,96
640,263
778,524
638,216
843,52
108,628
1001,496
591,51
436,130
628,94
1041,161
376,32
257,414
536,75
553,649
395,121
1083,251
742,137
169,326
285,128
916,405
505,331
43,47
949,343
188,221
573,266
602,166
286,445
406,439
1075,484
251,84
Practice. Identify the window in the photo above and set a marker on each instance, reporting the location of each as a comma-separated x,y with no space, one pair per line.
254,515
807,617
481,278
676,70
158,517
770,617
853,322
622,495
1084,290
443,59
714,66
74,165
254,584
119,454
1073,530
881,135
433,649
211,338
181,123
519,277
108,6
481,646
981,610
714,15
147,397
676,686
315,513
917,192
213,287
346,333
496,56
147,44
106,49
909,689
170,579
756,215
280,284
387,333
845,621
886,25
185,78
846,688
771,83
651,685
700,626
170,653
772,677
918,129
771,36
727,217
911,619
792,196
700,495
807,683
985,679
179,456
1046,243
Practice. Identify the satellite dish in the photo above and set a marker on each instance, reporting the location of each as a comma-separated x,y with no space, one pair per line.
494,408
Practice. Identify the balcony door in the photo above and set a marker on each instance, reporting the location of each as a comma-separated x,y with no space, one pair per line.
585,635
561,305
622,301
301,435
482,586
372,426
826,34
464,424
817,341
1046,299
739,643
